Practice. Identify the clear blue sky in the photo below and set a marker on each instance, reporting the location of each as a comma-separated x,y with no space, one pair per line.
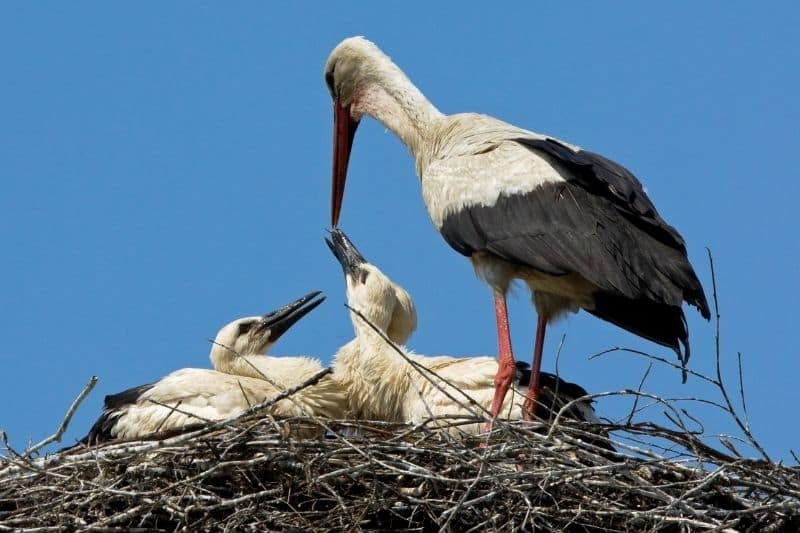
166,170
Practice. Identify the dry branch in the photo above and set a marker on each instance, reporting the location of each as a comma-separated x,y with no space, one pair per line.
56,437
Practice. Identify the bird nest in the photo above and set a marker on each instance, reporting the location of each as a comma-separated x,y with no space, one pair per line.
258,473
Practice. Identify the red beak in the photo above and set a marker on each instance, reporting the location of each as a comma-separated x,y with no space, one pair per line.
344,130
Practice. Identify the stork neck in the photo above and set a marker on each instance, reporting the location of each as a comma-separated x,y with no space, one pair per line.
402,108
376,378
229,362
223,359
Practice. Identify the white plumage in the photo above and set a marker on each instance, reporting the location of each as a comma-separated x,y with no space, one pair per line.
192,396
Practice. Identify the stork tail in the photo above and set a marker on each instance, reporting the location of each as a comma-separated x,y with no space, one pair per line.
660,323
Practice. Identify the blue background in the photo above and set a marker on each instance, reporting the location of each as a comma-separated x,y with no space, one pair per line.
166,169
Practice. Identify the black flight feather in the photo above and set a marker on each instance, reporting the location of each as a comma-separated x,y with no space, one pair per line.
113,409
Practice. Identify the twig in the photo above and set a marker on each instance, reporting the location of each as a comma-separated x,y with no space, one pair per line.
653,358
313,380
558,372
175,409
741,390
638,390
56,437
718,352
244,394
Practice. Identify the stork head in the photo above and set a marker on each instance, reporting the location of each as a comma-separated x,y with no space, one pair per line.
385,304
362,80
256,334
354,63
355,73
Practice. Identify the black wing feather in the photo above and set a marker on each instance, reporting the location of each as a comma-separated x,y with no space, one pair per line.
561,228
113,409
604,178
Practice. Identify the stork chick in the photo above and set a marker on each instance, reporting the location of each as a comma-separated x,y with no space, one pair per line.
241,347
191,396
382,385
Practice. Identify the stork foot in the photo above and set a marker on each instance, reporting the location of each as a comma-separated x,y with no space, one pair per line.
506,373
529,405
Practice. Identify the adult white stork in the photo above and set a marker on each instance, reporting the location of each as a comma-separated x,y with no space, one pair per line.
191,396
382,385
577,228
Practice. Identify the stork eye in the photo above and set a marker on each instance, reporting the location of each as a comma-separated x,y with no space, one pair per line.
329,80
244,327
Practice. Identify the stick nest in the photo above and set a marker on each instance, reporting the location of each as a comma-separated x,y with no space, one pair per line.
254,473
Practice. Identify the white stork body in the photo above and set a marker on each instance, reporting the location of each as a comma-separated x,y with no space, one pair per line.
244,377
575,226
382,385
192,396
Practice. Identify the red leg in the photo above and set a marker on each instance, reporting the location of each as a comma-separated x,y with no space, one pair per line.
529,405
506,370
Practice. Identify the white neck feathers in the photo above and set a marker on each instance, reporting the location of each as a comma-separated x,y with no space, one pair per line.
389,96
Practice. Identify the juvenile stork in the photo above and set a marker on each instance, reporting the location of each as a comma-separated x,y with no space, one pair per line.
241,347
191,396
382,385
576,227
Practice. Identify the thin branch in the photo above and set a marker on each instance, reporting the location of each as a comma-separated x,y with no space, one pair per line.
313,380
653,358
744,427
244,394
741,391
56,437
638,390
175,409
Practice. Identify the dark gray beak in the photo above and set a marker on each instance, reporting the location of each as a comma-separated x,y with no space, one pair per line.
280,320
346,252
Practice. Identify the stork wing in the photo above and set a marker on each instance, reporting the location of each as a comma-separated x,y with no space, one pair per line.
597,222
603,177
114,408
561,229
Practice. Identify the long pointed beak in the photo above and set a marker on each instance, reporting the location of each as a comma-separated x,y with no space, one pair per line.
345,251
280,320
344,130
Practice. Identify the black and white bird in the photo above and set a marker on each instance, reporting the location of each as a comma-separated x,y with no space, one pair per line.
382,385
576,227
191,396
